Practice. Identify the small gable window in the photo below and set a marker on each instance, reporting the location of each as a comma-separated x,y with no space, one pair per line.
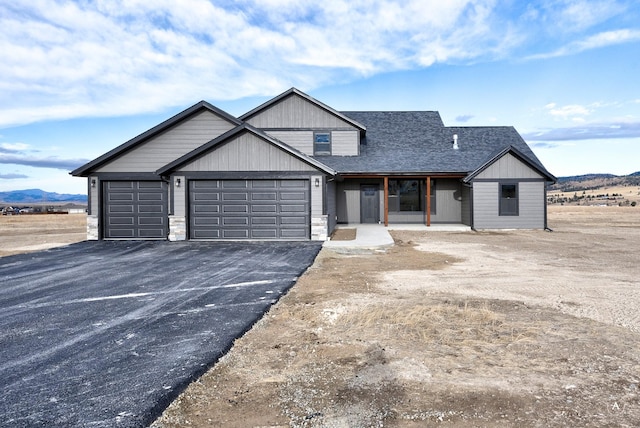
508,199
322,143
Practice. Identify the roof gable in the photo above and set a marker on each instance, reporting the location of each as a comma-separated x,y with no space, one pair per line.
231,138
295,109
157,130
510,150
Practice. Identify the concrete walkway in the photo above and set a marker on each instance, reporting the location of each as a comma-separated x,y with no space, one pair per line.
376,237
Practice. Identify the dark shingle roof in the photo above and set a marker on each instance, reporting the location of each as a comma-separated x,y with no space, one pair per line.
418,142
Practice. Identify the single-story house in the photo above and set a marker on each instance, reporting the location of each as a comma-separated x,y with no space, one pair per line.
293,168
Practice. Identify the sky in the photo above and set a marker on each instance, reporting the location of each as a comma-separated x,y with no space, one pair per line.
79,78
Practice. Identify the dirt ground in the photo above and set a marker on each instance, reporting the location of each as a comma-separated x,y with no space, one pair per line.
27,233
513,328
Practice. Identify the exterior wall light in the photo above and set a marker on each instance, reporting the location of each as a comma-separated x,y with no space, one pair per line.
317,182
177,182
93,182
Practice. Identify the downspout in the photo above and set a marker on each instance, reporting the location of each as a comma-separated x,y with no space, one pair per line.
429,200
546,226
386,200
470,186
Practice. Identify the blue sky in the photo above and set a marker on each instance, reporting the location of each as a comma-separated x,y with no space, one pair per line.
78,78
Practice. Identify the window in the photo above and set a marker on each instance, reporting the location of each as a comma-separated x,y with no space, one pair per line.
508,199
406,195
322,143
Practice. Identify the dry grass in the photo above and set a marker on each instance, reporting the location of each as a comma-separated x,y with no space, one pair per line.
27,233
425,322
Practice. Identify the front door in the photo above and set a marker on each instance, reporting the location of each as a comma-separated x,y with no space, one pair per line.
369,204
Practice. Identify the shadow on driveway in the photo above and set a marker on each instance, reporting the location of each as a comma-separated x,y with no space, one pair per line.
107,334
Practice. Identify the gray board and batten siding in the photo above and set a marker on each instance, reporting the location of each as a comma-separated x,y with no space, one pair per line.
531,196
343,142
296,111
486,206
348,199
246,152
294,119
169,145
448,201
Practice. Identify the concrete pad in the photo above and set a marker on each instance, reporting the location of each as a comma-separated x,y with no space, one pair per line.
376,237
369,238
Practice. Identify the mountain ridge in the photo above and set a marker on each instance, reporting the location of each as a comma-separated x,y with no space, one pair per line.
594,181
30,196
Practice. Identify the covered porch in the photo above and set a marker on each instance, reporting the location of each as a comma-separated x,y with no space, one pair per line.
426,200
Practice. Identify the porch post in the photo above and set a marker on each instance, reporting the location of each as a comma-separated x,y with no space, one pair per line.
428,201
386,201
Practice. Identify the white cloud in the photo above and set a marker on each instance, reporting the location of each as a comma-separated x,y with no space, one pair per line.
600,40
581,14
13,147
65,59
567,111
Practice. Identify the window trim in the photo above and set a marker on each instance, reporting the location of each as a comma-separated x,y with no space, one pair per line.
395,196
502,208
317,152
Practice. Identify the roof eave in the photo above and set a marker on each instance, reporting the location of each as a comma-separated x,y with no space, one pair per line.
85,169
312,100
518,154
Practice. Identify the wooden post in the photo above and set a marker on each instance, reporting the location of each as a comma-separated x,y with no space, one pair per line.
428,201
386,201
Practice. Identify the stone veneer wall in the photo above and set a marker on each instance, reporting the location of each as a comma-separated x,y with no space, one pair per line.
92,228
319,228
177,228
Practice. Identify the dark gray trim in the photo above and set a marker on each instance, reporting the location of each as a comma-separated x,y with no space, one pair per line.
89,195
123,176
245,175
518,154
322,132
303,129
410,174
546,225
509,183
471,211
519,180
196,108
312,100
227,136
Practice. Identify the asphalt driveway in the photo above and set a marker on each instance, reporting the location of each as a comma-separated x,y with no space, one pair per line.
106,334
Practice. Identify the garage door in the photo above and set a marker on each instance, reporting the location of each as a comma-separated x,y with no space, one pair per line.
249,209
135,210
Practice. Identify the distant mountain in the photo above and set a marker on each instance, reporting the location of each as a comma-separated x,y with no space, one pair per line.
31,196
594,181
